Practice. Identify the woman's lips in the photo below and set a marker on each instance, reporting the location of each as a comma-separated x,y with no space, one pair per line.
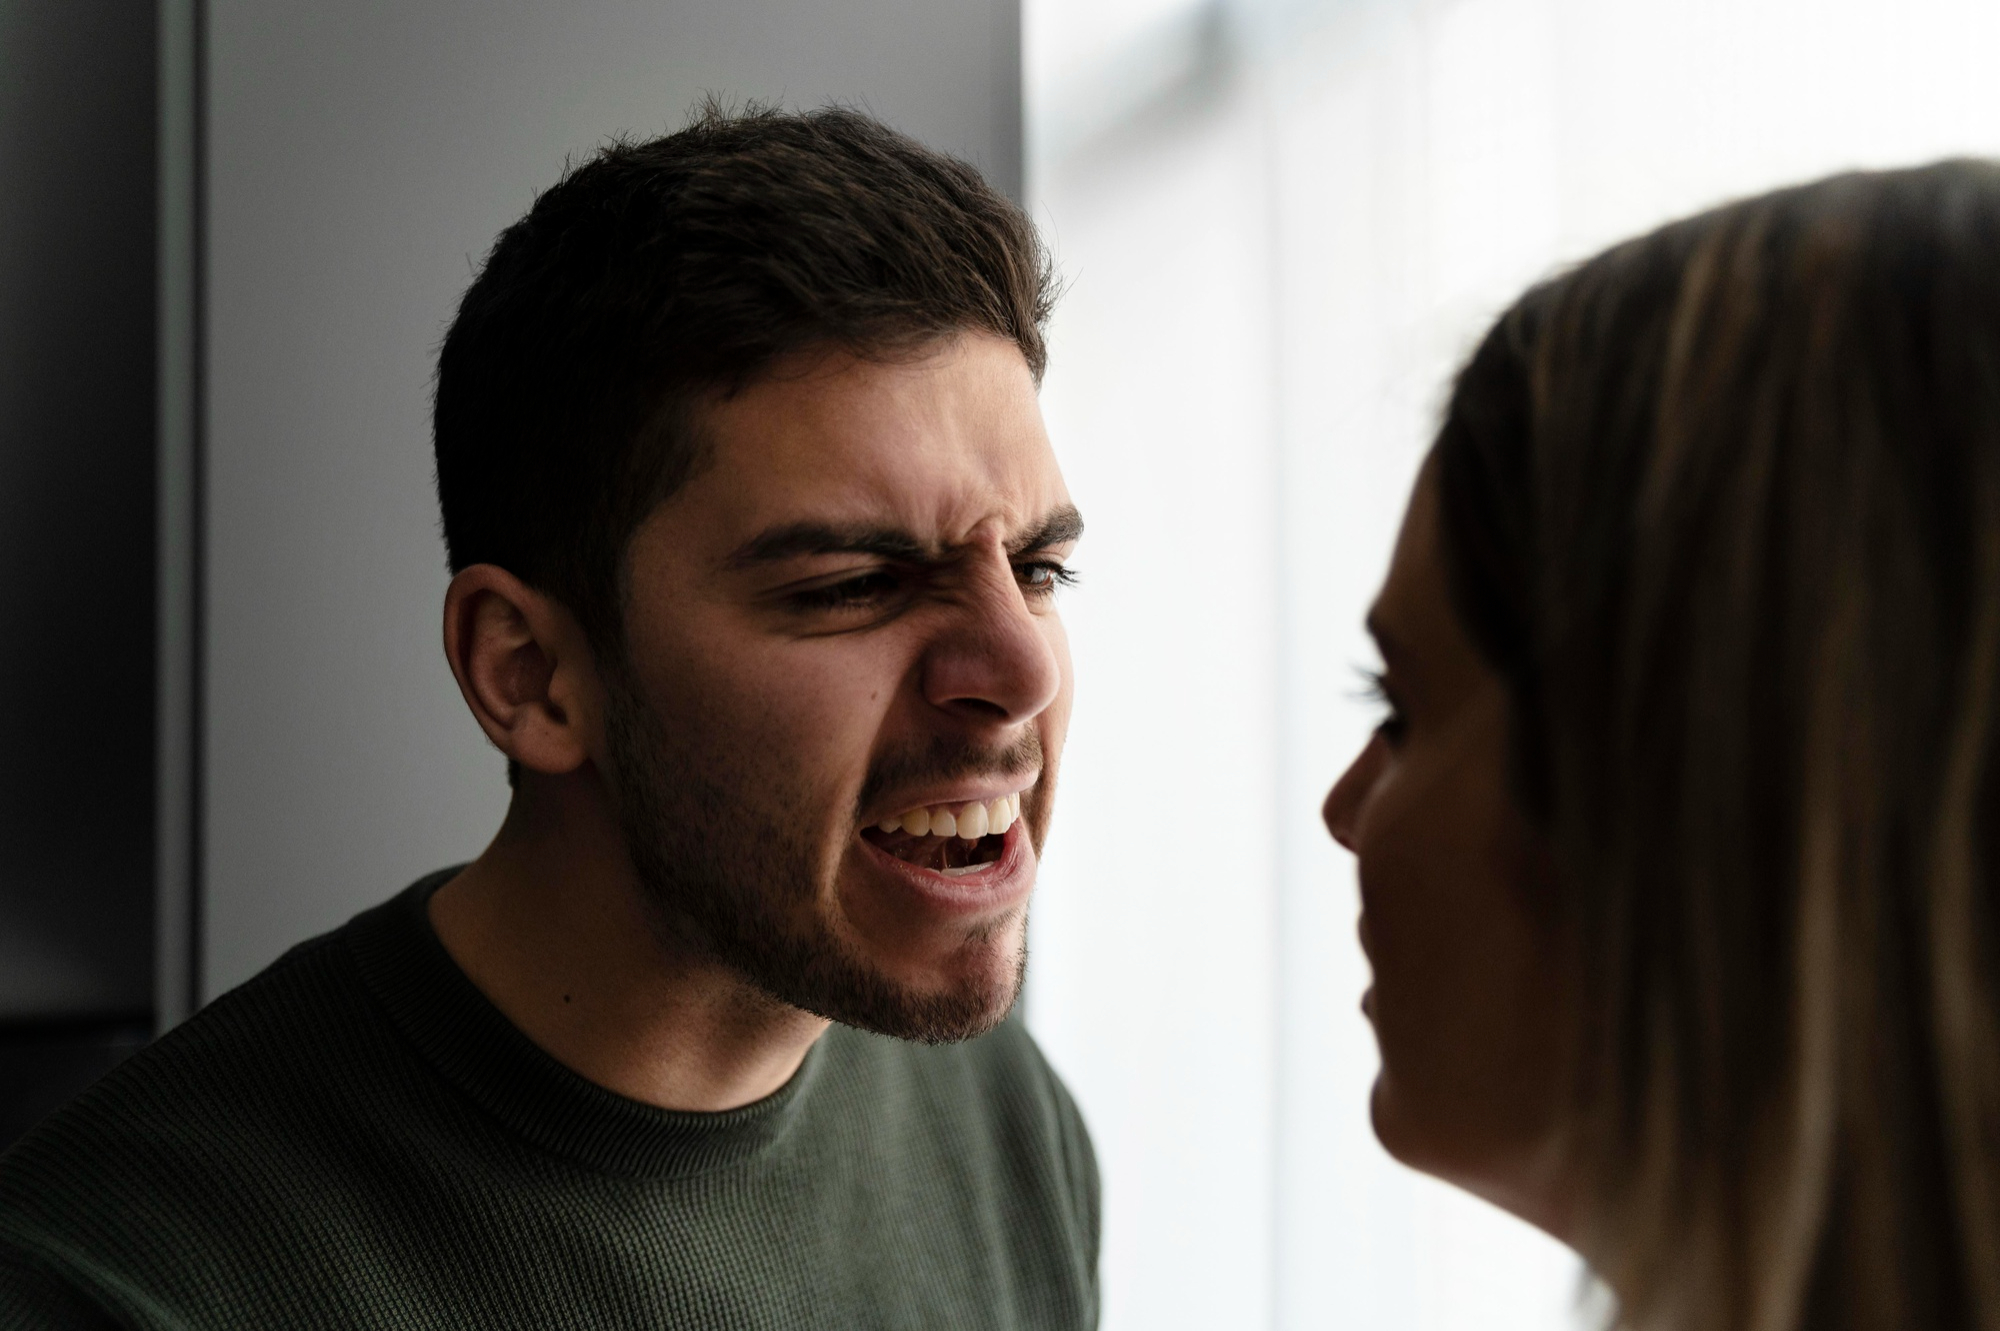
1368,994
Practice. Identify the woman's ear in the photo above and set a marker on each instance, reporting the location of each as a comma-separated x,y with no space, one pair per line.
524,668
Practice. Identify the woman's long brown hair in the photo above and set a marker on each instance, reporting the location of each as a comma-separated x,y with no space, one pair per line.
1723,506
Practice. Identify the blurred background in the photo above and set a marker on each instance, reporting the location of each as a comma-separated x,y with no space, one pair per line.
232,234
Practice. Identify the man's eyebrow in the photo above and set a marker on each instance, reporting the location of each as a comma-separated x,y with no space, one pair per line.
1060,527
795,540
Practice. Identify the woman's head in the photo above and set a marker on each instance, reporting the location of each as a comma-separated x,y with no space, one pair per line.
1716,516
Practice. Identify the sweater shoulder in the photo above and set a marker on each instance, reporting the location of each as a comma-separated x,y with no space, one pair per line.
277,1025
174,1128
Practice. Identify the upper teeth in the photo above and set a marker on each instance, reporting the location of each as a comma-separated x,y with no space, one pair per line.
970,821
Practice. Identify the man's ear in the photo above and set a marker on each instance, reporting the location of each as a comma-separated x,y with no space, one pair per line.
524,667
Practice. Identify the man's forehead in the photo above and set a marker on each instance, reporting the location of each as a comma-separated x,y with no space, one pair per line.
833,395
928,506
933,448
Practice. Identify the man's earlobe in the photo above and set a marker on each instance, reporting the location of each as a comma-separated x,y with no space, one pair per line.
522,666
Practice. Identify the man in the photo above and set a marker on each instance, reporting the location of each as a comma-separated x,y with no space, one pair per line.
755,531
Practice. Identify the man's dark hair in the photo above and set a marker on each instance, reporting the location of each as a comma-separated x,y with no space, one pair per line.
663,273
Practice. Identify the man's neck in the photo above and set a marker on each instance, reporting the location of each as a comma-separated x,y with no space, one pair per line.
552,926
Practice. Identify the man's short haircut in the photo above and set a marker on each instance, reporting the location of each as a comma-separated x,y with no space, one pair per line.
664,273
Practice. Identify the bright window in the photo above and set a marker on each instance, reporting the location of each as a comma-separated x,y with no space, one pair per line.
1283,222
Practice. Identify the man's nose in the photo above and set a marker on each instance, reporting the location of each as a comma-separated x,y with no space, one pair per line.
996,662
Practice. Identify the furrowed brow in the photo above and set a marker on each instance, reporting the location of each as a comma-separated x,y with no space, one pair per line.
797,540
800,539
1060,527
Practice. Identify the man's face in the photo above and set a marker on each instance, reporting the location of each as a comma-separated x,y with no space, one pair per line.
843,657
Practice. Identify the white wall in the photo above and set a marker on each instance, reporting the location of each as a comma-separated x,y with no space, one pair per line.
361,157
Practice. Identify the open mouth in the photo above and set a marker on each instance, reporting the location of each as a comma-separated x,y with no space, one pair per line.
951,839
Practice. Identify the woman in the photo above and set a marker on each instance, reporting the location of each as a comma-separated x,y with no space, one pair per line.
1679,845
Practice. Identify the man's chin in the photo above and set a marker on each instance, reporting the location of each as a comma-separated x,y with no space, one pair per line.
932,1019
968,1003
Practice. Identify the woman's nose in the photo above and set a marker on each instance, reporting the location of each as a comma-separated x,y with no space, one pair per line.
1344,802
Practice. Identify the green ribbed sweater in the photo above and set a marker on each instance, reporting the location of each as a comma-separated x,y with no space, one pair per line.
357,1138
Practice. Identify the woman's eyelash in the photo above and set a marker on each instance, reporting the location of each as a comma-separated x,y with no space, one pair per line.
1375,689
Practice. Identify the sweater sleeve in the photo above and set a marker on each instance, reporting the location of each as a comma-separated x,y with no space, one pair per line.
1080,1161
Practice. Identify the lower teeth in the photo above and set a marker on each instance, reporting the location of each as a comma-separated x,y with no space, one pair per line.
951,856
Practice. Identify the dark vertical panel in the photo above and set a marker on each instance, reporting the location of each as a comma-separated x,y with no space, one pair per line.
177,691
77,529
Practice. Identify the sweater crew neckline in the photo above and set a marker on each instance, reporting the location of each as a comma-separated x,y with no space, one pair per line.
468,1041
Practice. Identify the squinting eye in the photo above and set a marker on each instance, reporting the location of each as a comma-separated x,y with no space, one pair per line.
1041,577
867,590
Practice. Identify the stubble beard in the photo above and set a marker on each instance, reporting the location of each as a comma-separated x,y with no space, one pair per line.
727,874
